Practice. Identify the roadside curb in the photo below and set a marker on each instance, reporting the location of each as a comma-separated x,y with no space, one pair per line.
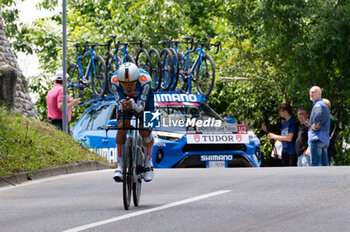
51,171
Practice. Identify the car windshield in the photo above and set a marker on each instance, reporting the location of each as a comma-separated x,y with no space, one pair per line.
184,112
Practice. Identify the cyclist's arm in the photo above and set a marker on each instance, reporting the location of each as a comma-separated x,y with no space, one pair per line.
117,92
142,98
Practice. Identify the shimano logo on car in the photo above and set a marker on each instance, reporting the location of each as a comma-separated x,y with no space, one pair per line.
153,119
177,97
216,157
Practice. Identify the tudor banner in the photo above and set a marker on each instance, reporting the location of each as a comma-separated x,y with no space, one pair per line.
217,138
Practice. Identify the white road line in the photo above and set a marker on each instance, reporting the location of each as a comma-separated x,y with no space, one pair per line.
115,219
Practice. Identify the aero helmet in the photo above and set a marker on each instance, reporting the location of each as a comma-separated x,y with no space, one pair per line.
128,72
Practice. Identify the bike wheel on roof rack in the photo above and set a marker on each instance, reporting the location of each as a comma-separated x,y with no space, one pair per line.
183,73
155,68
74,83
98,77
111,67
76,89
142,60
176,68
205,76
167,69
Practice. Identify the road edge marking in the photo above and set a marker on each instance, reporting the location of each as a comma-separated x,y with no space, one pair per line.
135,214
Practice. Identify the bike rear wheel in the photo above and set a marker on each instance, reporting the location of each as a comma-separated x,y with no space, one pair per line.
98,77
205,76
155,69
127,173
167,71
137,183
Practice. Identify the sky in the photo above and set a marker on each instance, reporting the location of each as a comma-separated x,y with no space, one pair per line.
28,12
29,64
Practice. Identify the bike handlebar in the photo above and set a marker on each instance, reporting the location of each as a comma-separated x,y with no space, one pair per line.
129,43
169,42
217,45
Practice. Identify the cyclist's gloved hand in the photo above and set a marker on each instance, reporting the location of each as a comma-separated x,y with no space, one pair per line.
133,104
136,107
120,107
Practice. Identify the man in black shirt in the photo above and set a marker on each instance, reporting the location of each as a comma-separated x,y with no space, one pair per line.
301,144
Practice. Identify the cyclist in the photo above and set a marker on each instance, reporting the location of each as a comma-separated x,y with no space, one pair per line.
132,90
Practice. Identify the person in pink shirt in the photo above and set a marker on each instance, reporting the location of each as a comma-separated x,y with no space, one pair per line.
54,100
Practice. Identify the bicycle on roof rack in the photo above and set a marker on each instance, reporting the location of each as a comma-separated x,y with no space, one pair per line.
93,74
114,60
133,159
202,72
177,55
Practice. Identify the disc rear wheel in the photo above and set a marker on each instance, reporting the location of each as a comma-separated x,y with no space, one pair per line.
137,183
127,174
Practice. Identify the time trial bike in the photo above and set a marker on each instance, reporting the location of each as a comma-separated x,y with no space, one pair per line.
133,159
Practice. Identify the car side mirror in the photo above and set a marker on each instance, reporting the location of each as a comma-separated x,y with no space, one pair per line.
230,120
112,125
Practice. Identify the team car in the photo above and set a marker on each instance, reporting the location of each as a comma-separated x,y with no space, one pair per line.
187,134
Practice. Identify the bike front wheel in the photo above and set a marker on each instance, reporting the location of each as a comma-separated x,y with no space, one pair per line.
127,173
205,76
98,77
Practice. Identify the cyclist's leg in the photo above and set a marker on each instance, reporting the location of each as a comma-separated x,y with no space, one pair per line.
120,140
147,141
147,145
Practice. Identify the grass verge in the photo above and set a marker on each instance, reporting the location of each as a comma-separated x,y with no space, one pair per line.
27,145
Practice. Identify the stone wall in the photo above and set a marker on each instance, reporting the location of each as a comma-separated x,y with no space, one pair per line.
22,102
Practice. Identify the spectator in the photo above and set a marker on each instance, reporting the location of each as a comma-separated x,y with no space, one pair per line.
333,132
301,145
54,100
287,137
319,125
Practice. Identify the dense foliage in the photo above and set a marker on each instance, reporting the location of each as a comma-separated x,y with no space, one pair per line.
273,51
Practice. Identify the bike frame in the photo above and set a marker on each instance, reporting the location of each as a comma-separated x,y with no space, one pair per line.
115,55
91,65
200,55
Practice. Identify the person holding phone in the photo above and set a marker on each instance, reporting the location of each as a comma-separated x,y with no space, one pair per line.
287,137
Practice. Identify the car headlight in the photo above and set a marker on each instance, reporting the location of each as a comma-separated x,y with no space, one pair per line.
251,134
168,135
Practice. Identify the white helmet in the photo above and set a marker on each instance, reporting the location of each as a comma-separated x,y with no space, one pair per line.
128,72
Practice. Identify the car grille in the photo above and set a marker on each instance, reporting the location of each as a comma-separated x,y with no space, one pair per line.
214,147
194,161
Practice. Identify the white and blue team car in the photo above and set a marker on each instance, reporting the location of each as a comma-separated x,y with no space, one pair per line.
187,133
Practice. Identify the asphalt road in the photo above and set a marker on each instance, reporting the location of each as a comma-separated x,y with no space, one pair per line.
262,199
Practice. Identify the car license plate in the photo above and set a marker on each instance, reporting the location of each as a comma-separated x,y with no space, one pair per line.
216,164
